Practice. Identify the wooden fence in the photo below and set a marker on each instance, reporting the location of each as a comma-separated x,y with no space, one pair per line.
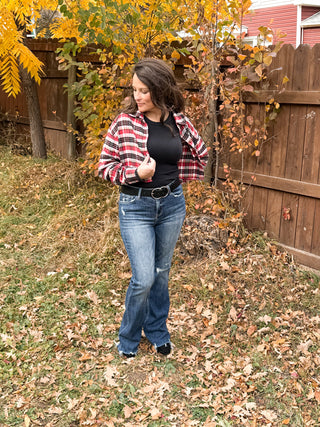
284,196
52,97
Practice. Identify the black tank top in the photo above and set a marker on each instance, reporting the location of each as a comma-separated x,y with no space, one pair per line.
164,146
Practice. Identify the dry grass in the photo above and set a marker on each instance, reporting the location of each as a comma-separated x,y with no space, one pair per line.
244,319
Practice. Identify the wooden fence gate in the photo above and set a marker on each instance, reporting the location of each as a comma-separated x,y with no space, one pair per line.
284,197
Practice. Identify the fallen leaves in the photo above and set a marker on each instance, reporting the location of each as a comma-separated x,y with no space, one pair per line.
27,421
304,347
93,297
233,315
244,322
251,330
269,415
109,375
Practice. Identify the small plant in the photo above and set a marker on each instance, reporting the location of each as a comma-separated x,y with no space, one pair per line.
226,69
17,142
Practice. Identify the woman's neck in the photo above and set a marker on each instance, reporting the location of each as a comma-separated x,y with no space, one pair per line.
155,116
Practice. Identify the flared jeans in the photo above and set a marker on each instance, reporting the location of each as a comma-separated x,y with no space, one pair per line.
150,229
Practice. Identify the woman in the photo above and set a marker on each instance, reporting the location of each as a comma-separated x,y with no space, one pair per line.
149,149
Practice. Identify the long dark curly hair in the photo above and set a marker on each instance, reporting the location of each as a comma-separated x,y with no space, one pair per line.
165,94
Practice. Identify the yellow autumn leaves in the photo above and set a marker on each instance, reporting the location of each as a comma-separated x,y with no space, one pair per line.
16,19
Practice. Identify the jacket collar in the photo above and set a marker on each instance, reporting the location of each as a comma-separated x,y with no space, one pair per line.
179,117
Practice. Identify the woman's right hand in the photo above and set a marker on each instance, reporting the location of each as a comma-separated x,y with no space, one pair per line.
147,168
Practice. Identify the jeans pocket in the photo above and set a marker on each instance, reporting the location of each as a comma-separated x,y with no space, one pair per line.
178,192
127,199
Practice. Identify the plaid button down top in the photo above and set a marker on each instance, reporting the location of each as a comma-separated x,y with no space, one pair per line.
125,148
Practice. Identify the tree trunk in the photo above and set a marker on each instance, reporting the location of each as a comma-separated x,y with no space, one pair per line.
36,126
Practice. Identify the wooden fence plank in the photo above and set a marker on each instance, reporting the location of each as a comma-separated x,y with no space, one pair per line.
295,143
300,80
294,166
305,219
310,160
276,183
263,162
247,205
259,207
303,257
315,245
288,227
281,67
280,132
311,155
303,97
274,198
48,124
311,151
273,213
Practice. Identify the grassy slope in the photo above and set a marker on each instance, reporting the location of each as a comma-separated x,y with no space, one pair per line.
245,322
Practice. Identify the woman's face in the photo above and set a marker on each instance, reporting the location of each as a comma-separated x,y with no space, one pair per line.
142,97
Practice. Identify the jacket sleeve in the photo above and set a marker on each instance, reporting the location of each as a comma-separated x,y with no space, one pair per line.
112,165
198,149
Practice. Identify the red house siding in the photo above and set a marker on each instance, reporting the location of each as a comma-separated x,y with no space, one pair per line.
310,36
282,18
308,11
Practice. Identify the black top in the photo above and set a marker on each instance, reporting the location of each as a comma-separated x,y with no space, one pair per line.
164,146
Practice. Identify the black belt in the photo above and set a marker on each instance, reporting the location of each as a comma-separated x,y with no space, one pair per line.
155,193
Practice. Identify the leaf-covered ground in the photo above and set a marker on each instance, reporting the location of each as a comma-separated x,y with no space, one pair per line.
245,321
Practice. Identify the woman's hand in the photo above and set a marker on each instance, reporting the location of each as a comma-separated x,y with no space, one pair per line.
147,168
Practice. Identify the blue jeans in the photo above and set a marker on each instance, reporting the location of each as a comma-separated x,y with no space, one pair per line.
149,229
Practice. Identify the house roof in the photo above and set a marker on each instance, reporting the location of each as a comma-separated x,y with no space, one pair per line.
262,4
306,3
312,21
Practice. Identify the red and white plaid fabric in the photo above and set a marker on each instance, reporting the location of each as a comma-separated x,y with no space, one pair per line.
125,147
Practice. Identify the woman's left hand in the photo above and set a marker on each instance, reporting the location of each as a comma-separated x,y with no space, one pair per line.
147,168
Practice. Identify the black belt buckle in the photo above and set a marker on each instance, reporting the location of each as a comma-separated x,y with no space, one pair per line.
160,192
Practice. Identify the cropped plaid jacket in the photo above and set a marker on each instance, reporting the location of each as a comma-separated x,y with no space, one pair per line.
125,147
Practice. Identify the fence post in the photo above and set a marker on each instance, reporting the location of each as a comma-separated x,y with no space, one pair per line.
71,122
